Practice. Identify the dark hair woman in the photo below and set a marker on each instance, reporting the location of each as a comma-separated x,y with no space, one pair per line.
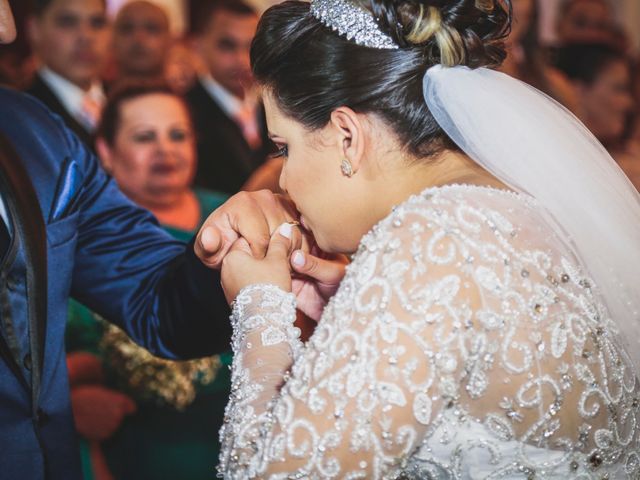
466,339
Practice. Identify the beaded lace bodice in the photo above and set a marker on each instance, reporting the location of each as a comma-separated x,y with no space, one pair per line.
464,342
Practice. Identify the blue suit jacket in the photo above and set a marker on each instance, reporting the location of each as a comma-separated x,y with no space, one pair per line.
75,234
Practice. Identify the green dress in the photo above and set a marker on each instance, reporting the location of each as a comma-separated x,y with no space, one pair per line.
159,441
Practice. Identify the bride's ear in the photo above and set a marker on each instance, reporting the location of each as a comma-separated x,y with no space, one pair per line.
351,136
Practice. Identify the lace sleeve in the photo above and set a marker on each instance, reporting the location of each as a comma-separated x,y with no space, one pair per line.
359,395
264,344
463,342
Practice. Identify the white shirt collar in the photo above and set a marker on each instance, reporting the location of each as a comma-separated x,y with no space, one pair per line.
69,94
228,102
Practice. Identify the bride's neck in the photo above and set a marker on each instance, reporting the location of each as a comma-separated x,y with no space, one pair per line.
452,167
393,179
447,168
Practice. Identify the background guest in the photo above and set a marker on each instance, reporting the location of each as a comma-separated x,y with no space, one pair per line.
232,139
629,156
602,79
141,41
527,61
98,411
146,141
17,66
585,21
601,75
71,40
182,67
629,161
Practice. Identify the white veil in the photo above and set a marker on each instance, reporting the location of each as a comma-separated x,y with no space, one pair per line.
534,145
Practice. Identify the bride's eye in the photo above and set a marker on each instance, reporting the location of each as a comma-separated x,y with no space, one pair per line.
282,151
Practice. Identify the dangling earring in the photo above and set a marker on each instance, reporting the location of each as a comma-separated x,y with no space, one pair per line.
347,169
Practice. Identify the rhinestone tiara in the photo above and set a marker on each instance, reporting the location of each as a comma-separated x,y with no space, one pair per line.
353,22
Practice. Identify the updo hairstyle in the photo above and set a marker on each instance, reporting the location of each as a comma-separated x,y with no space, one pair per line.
311,70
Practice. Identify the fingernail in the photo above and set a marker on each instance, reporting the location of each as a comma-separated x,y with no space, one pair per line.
285,230
298,259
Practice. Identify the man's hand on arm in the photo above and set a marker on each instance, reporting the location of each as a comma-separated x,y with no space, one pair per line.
253,216
250,219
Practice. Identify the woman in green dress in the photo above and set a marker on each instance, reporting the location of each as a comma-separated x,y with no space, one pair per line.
139,416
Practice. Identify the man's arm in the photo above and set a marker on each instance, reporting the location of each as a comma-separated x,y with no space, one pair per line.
135,275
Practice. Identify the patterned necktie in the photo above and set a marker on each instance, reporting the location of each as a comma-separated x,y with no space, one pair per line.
246,119
91,109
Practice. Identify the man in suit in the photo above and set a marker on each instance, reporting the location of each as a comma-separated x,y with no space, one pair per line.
65,229
232,138
71,38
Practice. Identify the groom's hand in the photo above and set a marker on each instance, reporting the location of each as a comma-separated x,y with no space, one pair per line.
253,216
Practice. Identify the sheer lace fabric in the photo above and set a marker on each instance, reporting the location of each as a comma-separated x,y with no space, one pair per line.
464,343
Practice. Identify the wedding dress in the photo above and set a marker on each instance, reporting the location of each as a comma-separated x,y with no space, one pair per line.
465,342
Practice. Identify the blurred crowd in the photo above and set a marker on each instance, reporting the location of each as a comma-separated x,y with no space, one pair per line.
177,123
591,70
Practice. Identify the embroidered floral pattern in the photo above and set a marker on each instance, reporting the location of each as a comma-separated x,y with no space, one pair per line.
464,342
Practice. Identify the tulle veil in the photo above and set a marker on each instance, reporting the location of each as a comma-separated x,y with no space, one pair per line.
536,146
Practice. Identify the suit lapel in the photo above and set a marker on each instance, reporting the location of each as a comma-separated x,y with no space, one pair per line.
42,92
29,230
228,129
7,355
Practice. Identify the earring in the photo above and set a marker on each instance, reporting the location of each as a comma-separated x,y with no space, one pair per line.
347,169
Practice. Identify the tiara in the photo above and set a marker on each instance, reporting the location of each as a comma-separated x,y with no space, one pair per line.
355,23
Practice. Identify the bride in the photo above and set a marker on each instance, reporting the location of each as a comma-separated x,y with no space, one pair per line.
487,325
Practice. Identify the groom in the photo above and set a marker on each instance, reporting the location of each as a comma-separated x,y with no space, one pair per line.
65,229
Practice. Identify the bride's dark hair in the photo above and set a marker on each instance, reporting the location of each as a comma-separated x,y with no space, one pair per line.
311,70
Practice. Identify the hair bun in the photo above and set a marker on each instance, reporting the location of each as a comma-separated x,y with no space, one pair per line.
452,32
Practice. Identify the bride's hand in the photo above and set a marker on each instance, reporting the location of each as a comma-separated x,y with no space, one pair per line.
240,268
316,279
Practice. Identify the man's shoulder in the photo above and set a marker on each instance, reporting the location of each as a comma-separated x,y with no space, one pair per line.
26,119
13,100
40,136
